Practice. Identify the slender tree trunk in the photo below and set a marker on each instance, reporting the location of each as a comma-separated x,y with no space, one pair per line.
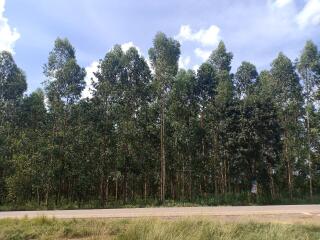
102,193
162,154
272,191
38,196
47,195
107,191
116,194
126,185
190,186
225,175
202,126
289,169
172,186
309,155
215,159
183,182
145,189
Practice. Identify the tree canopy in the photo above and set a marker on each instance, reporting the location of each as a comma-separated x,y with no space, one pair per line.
151,134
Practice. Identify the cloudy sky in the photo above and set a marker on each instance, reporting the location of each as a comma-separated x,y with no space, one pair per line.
254,30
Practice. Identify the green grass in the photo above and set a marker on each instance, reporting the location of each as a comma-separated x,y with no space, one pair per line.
140,229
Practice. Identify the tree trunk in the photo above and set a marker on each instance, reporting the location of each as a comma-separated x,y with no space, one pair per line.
38,196
107,191
309,155
145,189
289,168
125,186
190,184
116,194
272,191
183,182
162,155
215,159
102,193
47,196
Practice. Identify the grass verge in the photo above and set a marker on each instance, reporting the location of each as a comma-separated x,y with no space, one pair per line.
140,229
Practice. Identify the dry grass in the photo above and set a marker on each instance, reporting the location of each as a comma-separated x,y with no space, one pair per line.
139,229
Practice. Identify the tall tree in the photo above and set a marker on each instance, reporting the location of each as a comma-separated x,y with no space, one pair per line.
164,56
288,97
309,70
31,169
206,90
224,116
111,74
64,84
133,98
183,117
12,86
248,145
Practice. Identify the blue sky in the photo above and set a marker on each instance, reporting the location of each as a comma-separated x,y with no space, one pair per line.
254,31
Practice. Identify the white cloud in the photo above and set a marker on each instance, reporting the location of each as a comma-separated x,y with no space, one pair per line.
207,37
126,46
184,62
149,65
203,54
195,67
280,3
8,36
310,14
92,68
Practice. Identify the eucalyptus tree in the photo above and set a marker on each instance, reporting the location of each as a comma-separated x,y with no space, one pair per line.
63,86
164,56
224,127
223,114
12,86
133,99
183,117
309,70
206,86
138,97
258,141
84,152
111,73
205,90
287,93
264,140
31,170
245,83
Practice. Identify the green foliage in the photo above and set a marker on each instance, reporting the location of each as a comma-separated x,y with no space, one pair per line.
221,59
245,77
166,136
12,79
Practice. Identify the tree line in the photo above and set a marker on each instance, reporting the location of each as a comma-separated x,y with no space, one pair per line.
153,133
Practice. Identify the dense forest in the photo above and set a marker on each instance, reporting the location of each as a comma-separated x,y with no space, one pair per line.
152,132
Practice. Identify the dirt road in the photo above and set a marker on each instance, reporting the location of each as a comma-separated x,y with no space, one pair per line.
258,212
